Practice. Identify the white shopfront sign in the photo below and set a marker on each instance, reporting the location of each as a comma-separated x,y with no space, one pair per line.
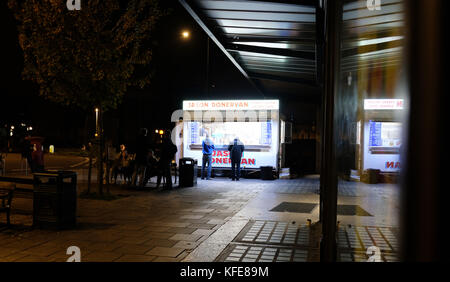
383,104
227,105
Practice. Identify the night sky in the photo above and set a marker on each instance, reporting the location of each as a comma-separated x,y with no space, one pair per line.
180,73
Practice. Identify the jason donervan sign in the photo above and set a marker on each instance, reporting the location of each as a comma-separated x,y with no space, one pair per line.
231,105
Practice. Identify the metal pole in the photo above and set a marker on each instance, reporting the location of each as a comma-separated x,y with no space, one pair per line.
96,121
328,177
207,65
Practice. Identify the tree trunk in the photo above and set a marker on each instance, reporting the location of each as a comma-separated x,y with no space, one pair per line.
89,173
86,130
89,150
100,167
108,169
100,152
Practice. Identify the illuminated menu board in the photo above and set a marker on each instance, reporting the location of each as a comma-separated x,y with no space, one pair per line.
194,132
375,134
266,133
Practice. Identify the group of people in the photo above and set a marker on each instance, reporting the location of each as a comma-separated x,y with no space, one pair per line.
148,161
236,149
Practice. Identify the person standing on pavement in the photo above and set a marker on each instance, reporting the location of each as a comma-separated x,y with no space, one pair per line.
121,163
236,149
27,151
167,151
38,158
142,146
207,149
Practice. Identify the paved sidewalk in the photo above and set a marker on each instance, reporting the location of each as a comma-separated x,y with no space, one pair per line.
187,224
144,226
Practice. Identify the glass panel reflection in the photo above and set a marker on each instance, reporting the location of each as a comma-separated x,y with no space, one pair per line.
369,124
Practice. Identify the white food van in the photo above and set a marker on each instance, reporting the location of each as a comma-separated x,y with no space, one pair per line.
255,122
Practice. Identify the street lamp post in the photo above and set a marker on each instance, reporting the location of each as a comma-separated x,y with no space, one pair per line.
96,122
99,143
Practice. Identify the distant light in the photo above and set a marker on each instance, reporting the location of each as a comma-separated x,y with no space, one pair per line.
185,34
161,132
11,133
156,131
12,126
51,149
96,134
29,128
22,124
96,110
379,40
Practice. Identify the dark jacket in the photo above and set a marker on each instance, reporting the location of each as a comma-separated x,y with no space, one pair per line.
236,149
26,148
167,151
142,147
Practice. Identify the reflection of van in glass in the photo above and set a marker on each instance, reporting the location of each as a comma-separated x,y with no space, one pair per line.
381,146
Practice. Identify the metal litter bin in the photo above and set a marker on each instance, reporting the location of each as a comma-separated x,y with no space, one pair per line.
266,173
55,199
188,172
373,176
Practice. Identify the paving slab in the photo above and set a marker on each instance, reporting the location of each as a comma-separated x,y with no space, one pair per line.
160,242
185,237
101,256
165,252
133,249
135,258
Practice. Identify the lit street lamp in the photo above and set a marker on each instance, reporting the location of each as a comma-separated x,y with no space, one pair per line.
185,34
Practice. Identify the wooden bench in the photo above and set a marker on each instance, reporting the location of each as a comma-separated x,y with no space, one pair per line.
13,187
23,185
6,196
